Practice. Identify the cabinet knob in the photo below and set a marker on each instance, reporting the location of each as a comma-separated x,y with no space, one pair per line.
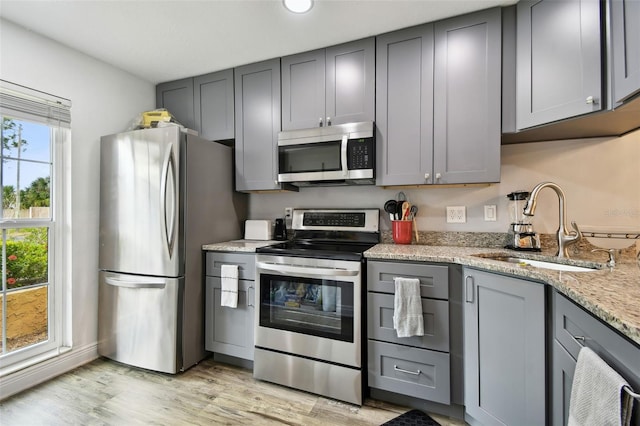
426,176
438,176
591,100
328,121
320,122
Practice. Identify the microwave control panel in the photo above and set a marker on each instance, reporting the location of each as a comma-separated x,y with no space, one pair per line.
360,154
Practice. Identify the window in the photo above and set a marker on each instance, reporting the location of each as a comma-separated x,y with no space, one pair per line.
34,128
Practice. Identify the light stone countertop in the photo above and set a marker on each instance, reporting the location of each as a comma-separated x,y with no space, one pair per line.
611,295
245,246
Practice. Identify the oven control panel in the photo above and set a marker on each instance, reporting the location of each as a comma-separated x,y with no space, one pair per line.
362,220
338,220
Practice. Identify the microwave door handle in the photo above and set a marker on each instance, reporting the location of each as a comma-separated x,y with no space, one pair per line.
310,272
343,155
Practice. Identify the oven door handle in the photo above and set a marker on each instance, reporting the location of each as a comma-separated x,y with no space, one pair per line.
311,272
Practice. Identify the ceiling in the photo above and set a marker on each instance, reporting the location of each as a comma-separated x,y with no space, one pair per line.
165,40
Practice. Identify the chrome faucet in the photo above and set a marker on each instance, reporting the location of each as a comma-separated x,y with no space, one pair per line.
565,239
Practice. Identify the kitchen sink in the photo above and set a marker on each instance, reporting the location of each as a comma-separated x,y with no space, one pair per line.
545,264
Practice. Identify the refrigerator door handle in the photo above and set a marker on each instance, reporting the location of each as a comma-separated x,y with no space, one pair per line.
168,192
133,284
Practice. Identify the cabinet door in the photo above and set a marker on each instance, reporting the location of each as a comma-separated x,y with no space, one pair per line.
257,94
177,98
303,90
229,331
404,107
467,98
562,369
558,60
350,79
504,349
625,39
213,105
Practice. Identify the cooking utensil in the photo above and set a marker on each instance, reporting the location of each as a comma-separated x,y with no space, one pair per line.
412,215
405,210
391,207
401,197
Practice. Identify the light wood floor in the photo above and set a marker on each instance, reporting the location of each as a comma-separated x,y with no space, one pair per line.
107,393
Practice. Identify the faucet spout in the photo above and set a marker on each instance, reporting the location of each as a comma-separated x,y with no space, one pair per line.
565,238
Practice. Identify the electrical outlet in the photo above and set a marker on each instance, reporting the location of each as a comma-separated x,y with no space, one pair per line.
456,214
288,212
490,213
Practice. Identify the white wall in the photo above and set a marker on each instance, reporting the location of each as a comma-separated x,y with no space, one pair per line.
104,101
600,177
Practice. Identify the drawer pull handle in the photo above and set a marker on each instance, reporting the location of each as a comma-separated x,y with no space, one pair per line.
413,373
580,340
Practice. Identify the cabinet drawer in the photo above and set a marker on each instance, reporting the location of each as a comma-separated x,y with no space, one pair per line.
571,321
419,373
436,322
246,264
434,279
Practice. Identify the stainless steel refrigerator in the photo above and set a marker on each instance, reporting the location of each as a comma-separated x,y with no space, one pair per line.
163,194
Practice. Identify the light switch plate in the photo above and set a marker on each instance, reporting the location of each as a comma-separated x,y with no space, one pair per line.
490,213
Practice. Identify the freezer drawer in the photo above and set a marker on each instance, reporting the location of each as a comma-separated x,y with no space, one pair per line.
138,320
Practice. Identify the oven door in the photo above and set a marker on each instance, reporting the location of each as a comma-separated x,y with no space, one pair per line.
309,307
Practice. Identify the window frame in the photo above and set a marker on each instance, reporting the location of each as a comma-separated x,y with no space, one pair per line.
58,224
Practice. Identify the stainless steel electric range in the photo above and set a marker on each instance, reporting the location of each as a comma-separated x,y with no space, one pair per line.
309,323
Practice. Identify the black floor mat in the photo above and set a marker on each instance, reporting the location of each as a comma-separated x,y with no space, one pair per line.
412,418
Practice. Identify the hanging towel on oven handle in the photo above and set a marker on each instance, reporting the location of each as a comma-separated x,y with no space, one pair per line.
229,284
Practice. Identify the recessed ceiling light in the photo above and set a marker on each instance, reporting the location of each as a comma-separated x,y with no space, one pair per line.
298,6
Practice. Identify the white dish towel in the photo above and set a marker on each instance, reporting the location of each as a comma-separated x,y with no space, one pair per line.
407,312
597,395
229,280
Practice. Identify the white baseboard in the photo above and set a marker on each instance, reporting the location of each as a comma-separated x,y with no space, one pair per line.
46,370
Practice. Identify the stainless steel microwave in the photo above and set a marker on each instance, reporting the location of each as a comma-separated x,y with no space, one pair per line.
343,154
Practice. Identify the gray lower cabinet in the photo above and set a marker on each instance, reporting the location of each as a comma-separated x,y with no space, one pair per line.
417,366
438,94
573,328
257,103
214,106
504,349
230,331
559,60
177,97
329,86
625,42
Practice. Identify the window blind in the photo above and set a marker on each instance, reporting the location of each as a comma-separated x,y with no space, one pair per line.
28,104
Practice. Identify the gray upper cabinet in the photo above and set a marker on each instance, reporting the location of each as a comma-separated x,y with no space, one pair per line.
559,60
504,350
404,106
213,105
438,94
329,86
177,98
257,94
467,98
203,103
625,39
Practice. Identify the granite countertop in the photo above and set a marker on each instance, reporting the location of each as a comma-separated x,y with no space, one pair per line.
610,294
243,246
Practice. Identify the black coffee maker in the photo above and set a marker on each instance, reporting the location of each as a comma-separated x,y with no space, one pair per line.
280,231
